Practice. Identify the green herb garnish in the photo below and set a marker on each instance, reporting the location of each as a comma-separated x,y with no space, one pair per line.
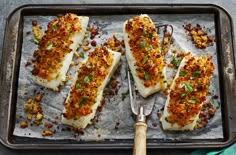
149,47
182,73
196,73
54,27
175,62
86,79
199,85
84,98
88,66
78,86
182,94
142,44
145,59
81,54
193,100
35,40
146,75
50,45
148,35
188,87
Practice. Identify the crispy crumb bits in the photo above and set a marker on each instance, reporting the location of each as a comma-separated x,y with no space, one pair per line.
47,132
33,109
93,32
166,42
199,36
114,44
24,124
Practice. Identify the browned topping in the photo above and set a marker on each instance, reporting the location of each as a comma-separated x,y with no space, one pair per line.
190,90
166,42
93,32
94,43
86,48
47,133
199,36
114,83
48,125
90,76
38,97
24,124
34,23
38,34
114,44
29,117
54,45
33,108
145,47
39,117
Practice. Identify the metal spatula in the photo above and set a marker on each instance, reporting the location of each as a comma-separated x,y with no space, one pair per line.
141,107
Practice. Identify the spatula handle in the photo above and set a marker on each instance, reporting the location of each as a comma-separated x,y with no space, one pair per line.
140,137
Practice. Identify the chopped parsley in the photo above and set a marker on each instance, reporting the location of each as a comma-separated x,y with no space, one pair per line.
149,47
145,59
81,54
182,73
142,44
83,100
148,35
86,79
193,100
188,87
88,66
146,75
196,73
78,86
182,94
54,27
199,85
35,40
50,45
175,62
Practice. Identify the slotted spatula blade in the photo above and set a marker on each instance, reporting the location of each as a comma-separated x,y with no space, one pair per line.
141,107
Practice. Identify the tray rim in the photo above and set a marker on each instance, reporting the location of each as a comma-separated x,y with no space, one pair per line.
7,143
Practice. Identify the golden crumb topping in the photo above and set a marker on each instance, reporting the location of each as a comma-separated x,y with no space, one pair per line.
190,90
54,45
84,92
145,47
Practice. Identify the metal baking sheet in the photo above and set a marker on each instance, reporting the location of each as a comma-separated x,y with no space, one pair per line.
104,133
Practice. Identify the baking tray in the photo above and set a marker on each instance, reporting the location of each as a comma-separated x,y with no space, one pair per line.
11,54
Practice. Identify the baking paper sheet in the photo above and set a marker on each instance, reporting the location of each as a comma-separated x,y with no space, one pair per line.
115,121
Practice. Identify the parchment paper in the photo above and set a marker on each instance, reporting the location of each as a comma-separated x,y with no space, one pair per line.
115,112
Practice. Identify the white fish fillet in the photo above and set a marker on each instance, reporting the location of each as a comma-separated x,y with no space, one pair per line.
77,38
188,126
143,90
83,121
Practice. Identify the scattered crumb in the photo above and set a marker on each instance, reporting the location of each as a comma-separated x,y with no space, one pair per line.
47,132
199,36
23,124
